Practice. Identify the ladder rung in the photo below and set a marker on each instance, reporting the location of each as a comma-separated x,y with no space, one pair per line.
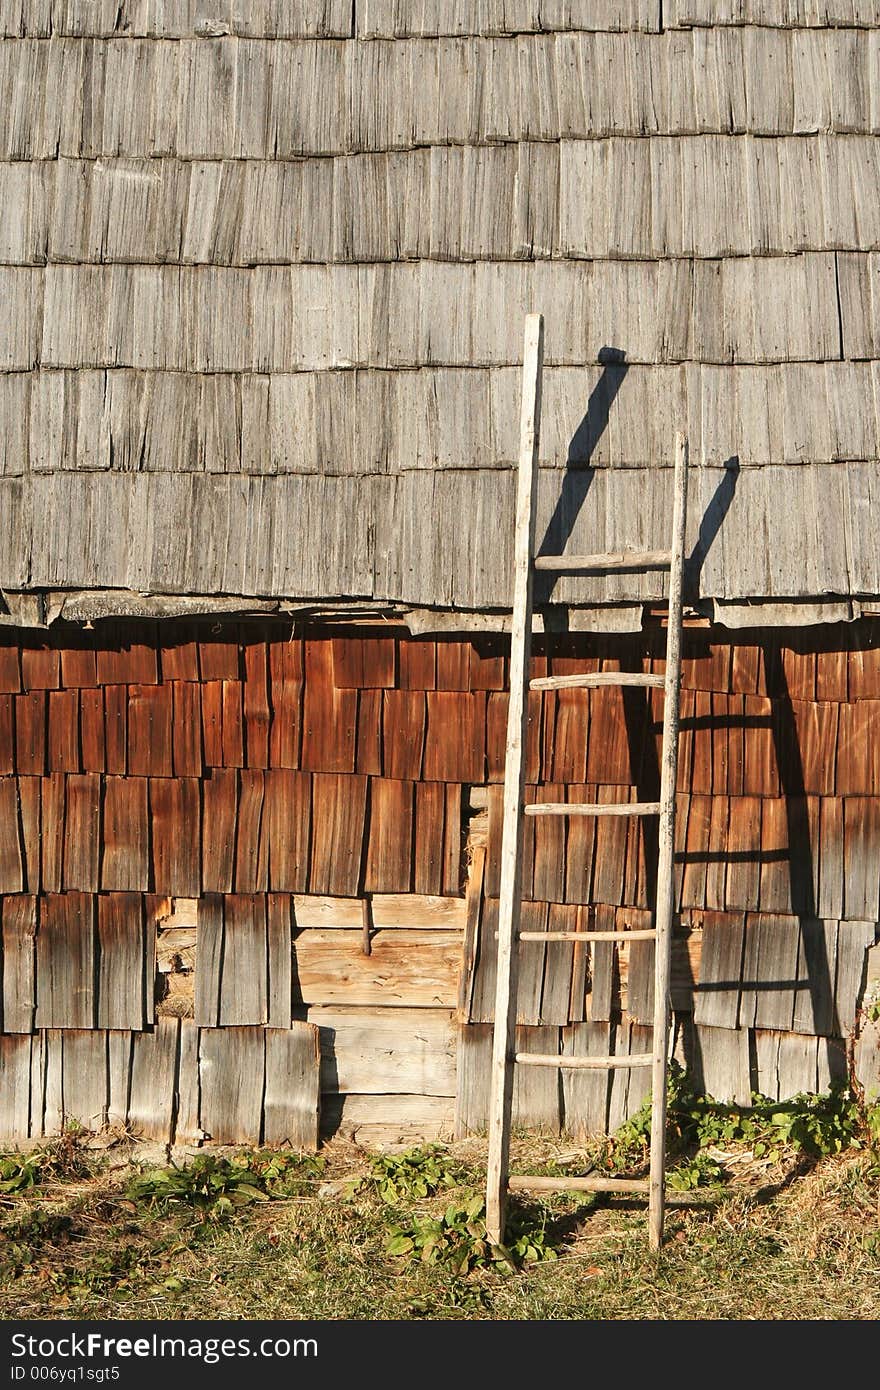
596,678
623,936
593,808
594,1182
616,560
556,1059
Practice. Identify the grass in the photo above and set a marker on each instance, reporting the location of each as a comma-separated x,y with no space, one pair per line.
788,1229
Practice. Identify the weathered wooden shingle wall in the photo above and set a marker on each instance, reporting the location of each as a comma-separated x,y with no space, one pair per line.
265,270
276,782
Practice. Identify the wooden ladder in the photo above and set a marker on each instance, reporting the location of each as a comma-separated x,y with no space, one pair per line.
504,1055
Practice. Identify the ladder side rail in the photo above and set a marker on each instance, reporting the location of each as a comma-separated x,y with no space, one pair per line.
510,896
665,864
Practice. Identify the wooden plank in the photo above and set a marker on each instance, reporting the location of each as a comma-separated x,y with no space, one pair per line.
15,1087
604,972
53,1096
369,752
558,957
122,965
389,845
537,1091
858,756
40,665
149,731
91,704
232,1066
287,817
65,979
7,735
30,733
219,658
187,1129
548,880
380,662
84,1080
417,660
717,996
327,912
453,841
742,888
186,729
472,1084
719,1064
487,662
507,957
63,742
610,851
37,1096
256,703
533,918
380,1122
430,802
580,849
329,715
29,798
455,740
153,1072
285,729
10,666
118,1077
774,888
279,928
861,835
338,828
776,977
209,960
568,755
829,853
640,981
19,932
473,906
244,979
403,733
453,665
220,811
233,724
717,866
618,1096
52,803
82,834
609,759
115,729
292,1093
252,839
853,942
125,861
348,662
816,972
406,968
212,723
400,1051
179,653
176,832
126,660
11,862
585,1092
797,1065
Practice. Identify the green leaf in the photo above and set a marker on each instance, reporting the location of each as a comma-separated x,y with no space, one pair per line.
399,1245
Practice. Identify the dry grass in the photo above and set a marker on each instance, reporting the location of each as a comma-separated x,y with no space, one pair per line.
784,1240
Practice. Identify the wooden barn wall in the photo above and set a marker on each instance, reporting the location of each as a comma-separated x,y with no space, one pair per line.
215,835
264,270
